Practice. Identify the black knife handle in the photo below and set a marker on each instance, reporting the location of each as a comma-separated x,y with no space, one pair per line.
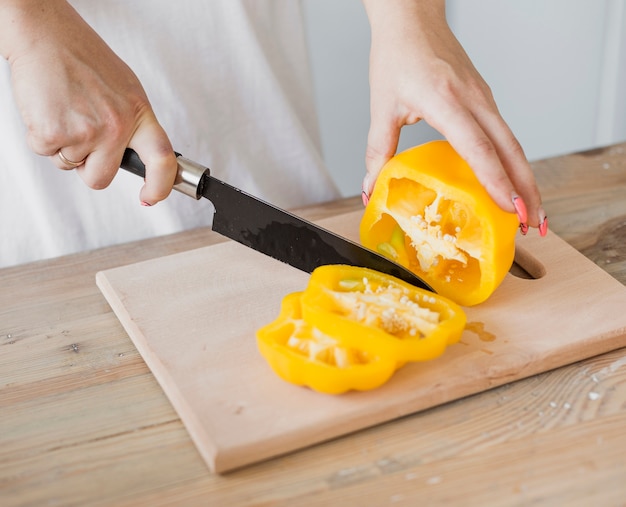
189,176
133,164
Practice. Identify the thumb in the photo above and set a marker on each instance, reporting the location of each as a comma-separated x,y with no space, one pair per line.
155,150
382,143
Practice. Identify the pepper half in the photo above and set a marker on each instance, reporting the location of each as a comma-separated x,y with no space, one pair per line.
352,328
429,213
300,353
412,323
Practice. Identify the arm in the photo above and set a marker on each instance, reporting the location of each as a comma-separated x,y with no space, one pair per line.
418,70
76,95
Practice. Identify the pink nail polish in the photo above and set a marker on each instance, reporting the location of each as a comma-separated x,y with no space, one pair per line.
365,198
366,190
520,209
543,227
144,203
523,229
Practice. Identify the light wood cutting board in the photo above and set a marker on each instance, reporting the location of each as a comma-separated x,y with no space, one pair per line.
193,317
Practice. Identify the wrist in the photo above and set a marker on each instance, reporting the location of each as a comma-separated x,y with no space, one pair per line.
384,15
23,23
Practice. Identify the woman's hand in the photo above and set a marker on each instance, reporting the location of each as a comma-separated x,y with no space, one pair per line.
81,104
418,70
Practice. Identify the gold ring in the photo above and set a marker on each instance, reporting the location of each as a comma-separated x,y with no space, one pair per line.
67,161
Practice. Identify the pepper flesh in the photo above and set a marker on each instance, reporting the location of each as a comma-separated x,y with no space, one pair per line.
415,324
453,235
351,328
299,353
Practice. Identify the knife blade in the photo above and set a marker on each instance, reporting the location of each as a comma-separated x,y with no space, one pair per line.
271,230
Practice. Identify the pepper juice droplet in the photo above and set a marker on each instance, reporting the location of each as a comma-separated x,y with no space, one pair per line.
478,328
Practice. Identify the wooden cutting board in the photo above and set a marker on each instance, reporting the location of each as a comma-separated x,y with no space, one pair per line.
193,317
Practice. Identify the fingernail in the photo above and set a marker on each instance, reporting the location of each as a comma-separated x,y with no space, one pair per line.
365,198
366,190
543,223
144,203
520,209
523,229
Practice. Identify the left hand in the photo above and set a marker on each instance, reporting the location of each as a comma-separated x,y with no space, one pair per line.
418,70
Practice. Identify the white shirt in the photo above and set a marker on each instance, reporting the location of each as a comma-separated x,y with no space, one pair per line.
230,82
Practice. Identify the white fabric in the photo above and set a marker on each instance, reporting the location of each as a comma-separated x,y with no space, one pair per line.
229,80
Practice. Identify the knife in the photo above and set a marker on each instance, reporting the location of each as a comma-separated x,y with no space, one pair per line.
269,229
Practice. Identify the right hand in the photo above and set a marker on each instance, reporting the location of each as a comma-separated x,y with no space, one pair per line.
76,95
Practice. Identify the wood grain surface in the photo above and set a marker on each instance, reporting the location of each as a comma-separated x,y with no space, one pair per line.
84,422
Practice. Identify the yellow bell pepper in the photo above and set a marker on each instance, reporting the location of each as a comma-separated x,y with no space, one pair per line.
429,213
300,353
352,327
414,324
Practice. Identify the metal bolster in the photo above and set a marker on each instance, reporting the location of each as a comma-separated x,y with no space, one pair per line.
189,177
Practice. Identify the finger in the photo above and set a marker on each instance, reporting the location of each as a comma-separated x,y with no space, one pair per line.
155,151
382,143
100,167
515,164
68,163
474,145
64,151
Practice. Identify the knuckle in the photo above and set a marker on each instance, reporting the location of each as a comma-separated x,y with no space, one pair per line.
115,126
374,160
515,148
161,194
481,90
482,148
98,179
496,183
156,193
118,120
44,141
98,185
446,89
372,154
500,181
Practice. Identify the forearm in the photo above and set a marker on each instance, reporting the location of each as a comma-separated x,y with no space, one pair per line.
414,15
24,23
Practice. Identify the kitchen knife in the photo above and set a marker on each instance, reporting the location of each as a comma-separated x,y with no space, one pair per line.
271,230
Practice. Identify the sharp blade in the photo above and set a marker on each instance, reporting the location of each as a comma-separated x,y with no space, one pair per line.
287,237
271,230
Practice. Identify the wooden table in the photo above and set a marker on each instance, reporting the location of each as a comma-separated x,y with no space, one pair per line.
83,421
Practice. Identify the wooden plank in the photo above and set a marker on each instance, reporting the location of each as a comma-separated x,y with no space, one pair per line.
156,464
584,199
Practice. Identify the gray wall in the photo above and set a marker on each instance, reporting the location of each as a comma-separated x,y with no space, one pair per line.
554,66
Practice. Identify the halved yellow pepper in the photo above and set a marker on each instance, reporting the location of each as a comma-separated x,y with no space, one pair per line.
412,323
453,235
300,353
351,328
